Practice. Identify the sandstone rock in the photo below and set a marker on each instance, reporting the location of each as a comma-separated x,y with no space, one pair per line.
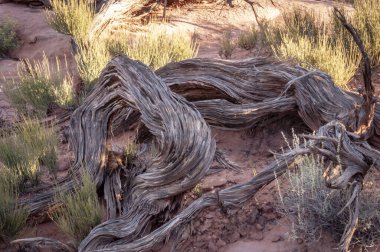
258,236
220,243
277,238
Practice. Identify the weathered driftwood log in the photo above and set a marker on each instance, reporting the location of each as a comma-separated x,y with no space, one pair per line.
240,95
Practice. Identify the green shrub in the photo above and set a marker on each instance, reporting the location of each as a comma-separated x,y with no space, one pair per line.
299,22
15,156
30,145
323,54
71,17
313,43
13,217
227,45
39,86
156,48
8,37
41,142
315,207
74,17
80,210
91,59
249,39
367,20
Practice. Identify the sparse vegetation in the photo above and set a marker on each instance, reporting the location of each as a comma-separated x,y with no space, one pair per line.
91,59
248,40
227,45
80,210
8,37
367,20
313,43
26,148
157,47
130,152
72,17
156,181
323,54
40,85
197,190
314,206
13,217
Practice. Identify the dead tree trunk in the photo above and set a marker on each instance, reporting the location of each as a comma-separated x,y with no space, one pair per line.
227,94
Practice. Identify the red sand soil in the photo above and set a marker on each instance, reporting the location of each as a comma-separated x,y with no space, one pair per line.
256,226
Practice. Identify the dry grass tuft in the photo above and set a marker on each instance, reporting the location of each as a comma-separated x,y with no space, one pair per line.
248,40
227,45
304,37
73,17
315,207
13,217
80,211
8,37
41,84
26,148
157,47
367,21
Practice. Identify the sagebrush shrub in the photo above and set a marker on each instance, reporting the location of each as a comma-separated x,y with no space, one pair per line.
8,37
314,43
156,48
73,17
41,83
227,45
367,20
80,210
91,59
249,39
13,217
28,147
315,207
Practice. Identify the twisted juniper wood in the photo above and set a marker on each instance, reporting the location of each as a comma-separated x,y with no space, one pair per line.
227,94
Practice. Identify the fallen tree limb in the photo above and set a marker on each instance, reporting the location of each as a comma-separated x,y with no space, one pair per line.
41,242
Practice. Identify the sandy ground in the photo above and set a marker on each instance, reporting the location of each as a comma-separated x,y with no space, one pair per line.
256,226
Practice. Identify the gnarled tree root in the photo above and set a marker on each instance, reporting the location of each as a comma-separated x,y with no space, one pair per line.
226,94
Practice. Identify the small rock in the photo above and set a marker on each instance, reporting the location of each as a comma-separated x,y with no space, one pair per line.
212,246
210,216
253,217
258,236
304,248
233,237
32,40
220,243
196,224
270,216
261,220
203,228
64,165
259,227
199,244
301,249
243,232
267,208
213,182
229,227
276,238
299,240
